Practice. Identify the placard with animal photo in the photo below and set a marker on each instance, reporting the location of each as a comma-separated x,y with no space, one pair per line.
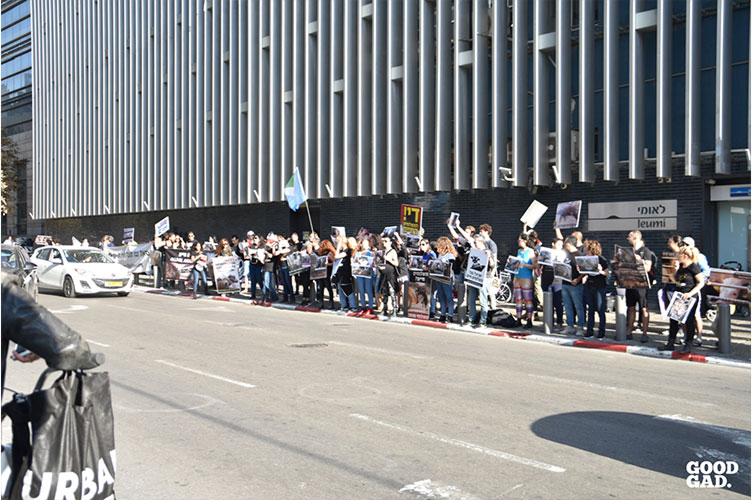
416,262
630,275
379,260
362,266
226,278
440,271
389,230
295,263
679,308
412,242
587,264
512,265
546,256
563,271
669,266
568,214
319,270
454,220
477,263
339,231
418,295
624,254
732,287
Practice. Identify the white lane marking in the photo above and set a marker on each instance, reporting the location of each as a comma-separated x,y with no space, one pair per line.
210,308
233,325
378,349
463,444
208,400
601,387
98,343
430,489
241,384
69,309
736,436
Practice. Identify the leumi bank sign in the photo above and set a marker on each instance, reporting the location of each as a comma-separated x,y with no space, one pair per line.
653,215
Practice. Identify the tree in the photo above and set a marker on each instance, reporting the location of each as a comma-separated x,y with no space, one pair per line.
10,177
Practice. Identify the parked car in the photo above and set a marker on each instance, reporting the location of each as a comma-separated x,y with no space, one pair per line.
16,261
80,271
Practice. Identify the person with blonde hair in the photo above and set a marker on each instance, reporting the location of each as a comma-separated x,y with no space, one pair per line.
689,280
595,291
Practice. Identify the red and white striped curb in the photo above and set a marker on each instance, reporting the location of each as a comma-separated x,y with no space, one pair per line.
651,352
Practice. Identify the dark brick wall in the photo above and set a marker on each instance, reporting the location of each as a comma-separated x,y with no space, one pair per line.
500,207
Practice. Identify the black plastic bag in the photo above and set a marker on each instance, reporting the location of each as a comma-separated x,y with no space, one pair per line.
63,439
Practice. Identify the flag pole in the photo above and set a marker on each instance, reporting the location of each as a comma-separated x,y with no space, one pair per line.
310,221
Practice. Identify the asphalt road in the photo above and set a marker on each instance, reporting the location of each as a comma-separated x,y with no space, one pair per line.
220,400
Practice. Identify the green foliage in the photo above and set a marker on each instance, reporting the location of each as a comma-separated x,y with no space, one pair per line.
10,178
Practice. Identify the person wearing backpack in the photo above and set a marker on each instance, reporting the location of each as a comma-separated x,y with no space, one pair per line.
639,296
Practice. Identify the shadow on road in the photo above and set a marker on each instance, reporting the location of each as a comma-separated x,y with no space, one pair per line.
659,444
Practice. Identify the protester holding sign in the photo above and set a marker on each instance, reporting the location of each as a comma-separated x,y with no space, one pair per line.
365,283
390,275
523,280
595,291
639,296
689,280
484,290
326,249
199,260
345,287
224,249
572,291
549,282
447,253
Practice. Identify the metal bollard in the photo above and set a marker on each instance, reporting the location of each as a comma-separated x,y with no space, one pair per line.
723,328
461,310
405,298
155,272
548,312
621,315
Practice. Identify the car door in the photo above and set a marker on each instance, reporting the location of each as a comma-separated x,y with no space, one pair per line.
56,271
41,259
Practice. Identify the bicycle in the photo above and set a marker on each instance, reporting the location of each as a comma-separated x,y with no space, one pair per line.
501,284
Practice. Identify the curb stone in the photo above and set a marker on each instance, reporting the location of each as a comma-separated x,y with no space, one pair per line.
650,352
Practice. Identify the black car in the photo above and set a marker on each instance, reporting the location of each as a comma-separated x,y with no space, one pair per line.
16,261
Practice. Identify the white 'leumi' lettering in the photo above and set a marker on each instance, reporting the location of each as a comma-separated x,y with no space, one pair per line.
67,484
649,224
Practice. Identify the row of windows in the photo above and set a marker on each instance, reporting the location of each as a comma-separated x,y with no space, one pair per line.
14,14
17,30
17,64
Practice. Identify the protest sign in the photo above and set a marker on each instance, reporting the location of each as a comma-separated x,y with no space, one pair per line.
336,265
454,220
412,242
178,264
416,262
669,265
476,268
128,234
389,230
225,271
339,231
679,308
563,271
162,226
512,265
418,295
411,219
546,257
533,213
362,266
295,263
587,264
318,271
379,260
440,271
137,258
628,271
731,287
568,214
41,239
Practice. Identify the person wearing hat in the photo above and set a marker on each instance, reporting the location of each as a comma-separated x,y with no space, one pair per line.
702,261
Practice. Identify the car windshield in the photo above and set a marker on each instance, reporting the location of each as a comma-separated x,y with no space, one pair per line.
85,256
9,260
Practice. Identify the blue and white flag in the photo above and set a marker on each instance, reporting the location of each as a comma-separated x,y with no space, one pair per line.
294,191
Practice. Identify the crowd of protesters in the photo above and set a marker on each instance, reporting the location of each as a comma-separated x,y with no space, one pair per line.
265,276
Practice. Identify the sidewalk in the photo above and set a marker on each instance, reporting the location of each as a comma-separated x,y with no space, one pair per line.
740,332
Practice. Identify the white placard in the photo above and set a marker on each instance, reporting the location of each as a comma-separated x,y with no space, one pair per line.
533,213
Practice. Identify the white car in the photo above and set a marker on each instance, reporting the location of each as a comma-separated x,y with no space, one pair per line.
80,271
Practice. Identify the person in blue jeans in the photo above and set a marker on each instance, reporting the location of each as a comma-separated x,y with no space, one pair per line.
571,291
365,283
199,260
345,250
481,294
447,253
595,291
270,286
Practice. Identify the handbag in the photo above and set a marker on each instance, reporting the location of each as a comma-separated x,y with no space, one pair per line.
63,439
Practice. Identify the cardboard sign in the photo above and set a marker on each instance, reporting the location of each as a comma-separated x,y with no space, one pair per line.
669,265
411,219
440,271
178,264
533,213
128,234
162,226
732,286
628,271
678,308
362,266
318,270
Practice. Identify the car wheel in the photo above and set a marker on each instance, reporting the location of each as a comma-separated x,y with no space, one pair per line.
123,294
69,290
